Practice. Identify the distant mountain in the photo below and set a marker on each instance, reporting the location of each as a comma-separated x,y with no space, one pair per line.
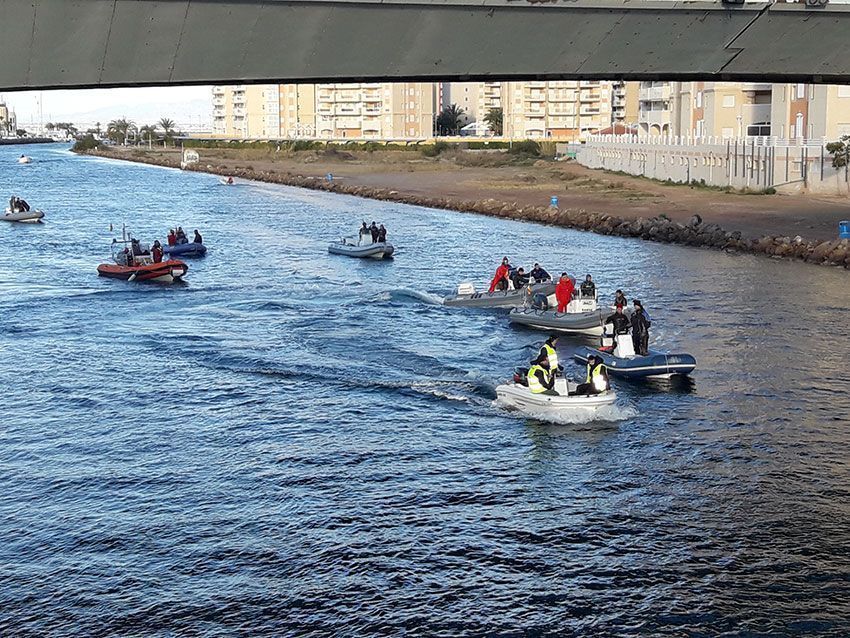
184,113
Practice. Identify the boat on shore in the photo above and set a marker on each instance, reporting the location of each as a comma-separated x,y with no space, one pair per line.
623,362
467,297
25,217
190,249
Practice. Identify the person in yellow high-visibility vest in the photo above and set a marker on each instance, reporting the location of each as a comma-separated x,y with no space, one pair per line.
596,381
540,378
548,351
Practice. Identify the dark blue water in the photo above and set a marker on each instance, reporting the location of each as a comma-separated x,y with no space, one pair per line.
295,443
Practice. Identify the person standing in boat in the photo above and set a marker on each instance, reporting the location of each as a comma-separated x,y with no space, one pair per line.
619,320
373,229
538,274
540,379
596,380
156,251
181,236
620,299
548,352
198,239
564,292
588,288
519,278
382,234
172,238
500,279
640,329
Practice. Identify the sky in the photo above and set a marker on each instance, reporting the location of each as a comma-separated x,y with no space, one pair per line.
185,104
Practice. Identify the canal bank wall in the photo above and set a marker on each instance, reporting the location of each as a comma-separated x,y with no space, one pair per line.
835,253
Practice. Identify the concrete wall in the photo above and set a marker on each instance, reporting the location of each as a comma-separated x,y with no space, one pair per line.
736,163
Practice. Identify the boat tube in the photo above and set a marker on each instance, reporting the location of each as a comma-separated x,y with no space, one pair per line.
518,396
163,271
468,298
29,216
582,316
365,248
190,249
623,361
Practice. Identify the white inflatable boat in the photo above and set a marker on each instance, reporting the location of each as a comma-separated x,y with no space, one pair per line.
365,248
514,395
25,217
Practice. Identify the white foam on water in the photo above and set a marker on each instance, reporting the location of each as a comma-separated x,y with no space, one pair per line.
606,413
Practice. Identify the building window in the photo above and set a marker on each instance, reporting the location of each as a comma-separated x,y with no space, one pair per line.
728,101
798,125
844,91
801,91
699,99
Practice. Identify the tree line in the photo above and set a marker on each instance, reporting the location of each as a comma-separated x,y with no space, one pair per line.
451,119
123,131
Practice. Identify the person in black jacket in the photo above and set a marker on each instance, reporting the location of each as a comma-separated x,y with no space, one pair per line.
619,320
620,299
588,288
519,278
538,274
640,329
373,230
382,234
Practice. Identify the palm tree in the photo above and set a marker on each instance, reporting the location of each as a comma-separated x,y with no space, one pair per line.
119,130
147,133
168,127
495,120
449,120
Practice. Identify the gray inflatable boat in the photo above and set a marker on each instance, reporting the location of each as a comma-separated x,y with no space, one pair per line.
350,248
589,323
467,297
26,217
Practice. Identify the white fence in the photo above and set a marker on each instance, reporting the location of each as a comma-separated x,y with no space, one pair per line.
755,163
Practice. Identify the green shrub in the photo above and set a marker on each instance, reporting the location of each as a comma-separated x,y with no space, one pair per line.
525,147
86,143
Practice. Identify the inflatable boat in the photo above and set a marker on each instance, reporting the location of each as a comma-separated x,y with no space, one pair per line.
467,296
185,250
582,316
623,361
30,216
164,271
365,249
518,396
24,159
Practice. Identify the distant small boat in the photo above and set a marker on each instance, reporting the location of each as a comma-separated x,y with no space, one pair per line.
227,182
24,217
190,249
363,248
24,159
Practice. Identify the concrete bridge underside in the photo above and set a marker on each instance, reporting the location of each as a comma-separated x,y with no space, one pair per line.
99,43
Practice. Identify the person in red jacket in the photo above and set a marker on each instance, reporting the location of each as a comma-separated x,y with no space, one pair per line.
564,291
501,278
172,238
156,251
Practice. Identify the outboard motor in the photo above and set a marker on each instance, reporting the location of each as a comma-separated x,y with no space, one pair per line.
607,340
521,376
539,301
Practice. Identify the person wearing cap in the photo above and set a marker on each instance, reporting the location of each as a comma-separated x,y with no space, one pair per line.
540,378
596,381
588,288
564,292
538,274
640,329
501,278
548,352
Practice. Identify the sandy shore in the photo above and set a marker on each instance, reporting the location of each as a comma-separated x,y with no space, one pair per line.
588,199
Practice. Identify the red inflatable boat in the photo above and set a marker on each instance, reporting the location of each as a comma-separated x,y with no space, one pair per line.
164,271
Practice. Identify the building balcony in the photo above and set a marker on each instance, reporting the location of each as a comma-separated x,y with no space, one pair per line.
371,98
650,118
655,93
588,96
218,101
238,112
589,110
756,86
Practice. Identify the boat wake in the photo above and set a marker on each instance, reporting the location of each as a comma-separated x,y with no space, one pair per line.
606,413
402,294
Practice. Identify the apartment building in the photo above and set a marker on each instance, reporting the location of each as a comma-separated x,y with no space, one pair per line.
326,111
8,121
624,103
810,111
240,111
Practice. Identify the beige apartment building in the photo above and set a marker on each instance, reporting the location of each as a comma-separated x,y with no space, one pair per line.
810,111
8,123
326,111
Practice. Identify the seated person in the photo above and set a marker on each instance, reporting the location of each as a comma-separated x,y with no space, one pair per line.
198,239
538,274
519,278
596,381
588,288
540,378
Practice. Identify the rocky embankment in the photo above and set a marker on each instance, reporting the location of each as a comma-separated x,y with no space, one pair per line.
659,229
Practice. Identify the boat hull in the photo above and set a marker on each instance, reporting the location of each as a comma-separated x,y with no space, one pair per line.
163,272
655,364
520,397
186,250
499,298
380,250
589,323
29,217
